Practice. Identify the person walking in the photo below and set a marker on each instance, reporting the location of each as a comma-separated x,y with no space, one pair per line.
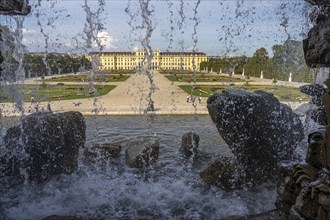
188,97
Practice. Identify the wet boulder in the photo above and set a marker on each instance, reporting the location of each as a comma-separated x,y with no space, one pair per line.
315,152
316,91
319,2
141,153
317,113
11,154
317,44
258,129
189,144
10,164
224,172
104,150
46,143
15,7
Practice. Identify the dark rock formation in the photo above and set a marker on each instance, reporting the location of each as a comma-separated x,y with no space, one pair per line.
141,153
317,45
14,7
319,2
259,130
314,153
46,144
104,150
316,91
223,172
189,144
305,194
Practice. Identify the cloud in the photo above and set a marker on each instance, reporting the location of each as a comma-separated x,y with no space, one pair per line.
106,40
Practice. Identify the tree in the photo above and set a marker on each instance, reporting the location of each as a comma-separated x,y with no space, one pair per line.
259,62
289,58
33,65
260,57
39,65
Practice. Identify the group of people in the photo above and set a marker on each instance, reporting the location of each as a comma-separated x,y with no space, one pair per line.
192,98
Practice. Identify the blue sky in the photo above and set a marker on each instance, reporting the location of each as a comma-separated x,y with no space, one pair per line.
229,27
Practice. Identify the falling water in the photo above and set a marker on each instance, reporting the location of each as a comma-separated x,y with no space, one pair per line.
181,22
284,19
171,18
93,25
322,75
148,27
131,23
169,36
194,37
38,15
18,93
171,188
227,31
13,74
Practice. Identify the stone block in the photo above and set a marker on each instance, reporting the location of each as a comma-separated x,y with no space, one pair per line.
141,153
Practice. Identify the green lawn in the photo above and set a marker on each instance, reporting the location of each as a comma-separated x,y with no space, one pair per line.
55,92
84,78
285,94
203,78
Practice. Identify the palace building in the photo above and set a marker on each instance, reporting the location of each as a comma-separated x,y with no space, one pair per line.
136,60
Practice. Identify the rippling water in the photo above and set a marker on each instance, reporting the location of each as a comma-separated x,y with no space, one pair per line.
170,189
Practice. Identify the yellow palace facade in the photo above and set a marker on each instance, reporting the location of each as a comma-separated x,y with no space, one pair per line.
136,60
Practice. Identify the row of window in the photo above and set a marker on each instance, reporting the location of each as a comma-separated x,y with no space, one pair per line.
154,64
131,68
163,59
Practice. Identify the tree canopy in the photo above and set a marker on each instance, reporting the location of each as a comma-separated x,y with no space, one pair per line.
287,58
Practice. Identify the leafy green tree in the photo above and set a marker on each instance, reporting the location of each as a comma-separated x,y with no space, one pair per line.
260,57
34,65
259,62
289,58
39,65
225,64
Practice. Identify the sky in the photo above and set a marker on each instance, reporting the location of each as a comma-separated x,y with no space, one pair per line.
216,27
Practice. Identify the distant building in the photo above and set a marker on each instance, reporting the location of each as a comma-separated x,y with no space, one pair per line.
136,60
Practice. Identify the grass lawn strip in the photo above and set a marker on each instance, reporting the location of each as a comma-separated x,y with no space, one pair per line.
56,92
84,78
204,78
285,94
